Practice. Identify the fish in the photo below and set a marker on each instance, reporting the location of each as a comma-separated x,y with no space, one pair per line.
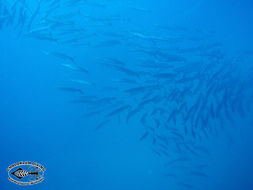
129,81
197,173
151,100
133,112
142,89
93,113
141,9
164,75
156,152
70,89
202,149
163,139
144,136
36,12
44,37
126,71
115,61
83,82
109,43
147,37
186,185
143,119
100,125
181,159
69,66
83,70
178,135
139,89
60,55
118,110
157,122
170,175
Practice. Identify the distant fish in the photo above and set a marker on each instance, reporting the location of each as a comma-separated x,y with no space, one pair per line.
199,174
119,110
144,136
80,101
115,61
43,37
143,119
34,15
128,81
69,66
147,37
109,43
140,9
93,113
164,75
182,159
100,125
81,69
201,166
156,152
93,4
69,89
124,70
132,113
170,175
82,82
142,89
186,185
202,149
60,55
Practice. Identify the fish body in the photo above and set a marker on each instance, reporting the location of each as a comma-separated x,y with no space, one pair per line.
70,89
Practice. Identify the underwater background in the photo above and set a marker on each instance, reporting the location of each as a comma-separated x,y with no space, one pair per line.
128,94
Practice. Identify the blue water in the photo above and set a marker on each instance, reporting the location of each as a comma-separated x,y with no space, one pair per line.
119,95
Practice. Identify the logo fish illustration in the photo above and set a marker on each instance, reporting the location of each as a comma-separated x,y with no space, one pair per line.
26,173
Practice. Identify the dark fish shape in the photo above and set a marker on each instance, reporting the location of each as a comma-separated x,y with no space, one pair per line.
197,173
43,37
156,152
139,89
133,112
93,113
141,9
126,71
83,101
182,159
143,119
164,75
81,69
142,89
186,185
34,15
116,61
128,81
144,136
69,89
178,135
202,149
109,43
163,139
119,110
100,125
170,175
60,55
157,122
151,100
